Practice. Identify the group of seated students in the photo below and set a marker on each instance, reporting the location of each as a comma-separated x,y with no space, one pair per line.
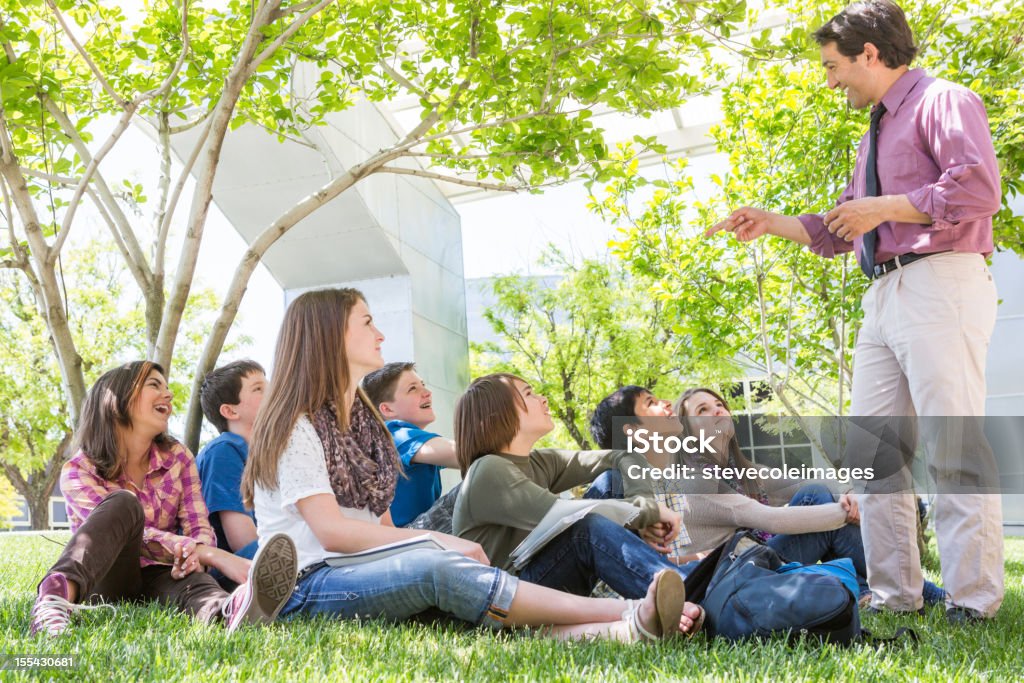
333,457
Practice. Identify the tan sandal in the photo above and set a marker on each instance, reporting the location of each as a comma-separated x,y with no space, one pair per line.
698,624
669,600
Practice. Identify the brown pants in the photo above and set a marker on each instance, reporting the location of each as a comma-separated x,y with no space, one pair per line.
102,558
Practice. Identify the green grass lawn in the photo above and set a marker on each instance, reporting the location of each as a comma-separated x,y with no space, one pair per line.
152,643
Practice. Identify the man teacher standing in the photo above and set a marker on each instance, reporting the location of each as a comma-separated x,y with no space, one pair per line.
918,215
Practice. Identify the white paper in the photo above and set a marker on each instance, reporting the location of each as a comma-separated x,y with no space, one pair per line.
562,515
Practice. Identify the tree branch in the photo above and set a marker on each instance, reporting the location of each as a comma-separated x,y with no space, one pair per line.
202,196
69,216
104,83
252,257
9,215
118,240
419,173
292,29
179,186
400,78
138,264
294,9
46,287
164,88
14,475
291,138
457,157
163,188
52,177
189,125
409,141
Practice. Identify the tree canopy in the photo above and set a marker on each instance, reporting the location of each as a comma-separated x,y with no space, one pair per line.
580,337
504,91
771,307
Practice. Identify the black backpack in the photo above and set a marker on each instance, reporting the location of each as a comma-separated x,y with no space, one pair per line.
744,597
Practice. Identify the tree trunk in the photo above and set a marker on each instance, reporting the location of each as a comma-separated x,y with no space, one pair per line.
244,270
202,196
37,488
39,510
52,305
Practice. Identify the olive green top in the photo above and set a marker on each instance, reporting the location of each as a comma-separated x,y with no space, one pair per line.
503,497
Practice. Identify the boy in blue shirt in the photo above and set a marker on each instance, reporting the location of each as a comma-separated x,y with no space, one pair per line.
230,397
407,404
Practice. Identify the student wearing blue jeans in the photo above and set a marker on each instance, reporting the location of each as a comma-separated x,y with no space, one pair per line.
830,545
509,486
607,486
816,546
322,468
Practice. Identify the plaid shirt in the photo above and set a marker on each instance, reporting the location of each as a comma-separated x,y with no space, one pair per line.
171,499
674,502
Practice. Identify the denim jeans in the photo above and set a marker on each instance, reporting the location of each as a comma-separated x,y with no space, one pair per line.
403,585
845,541
607,485
597,548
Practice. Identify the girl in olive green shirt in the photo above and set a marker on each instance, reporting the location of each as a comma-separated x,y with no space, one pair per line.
509,487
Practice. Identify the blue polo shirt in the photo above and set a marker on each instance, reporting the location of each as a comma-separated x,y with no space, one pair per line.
415,495
220,465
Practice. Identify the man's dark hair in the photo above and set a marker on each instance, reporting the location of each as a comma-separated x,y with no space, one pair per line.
380,384
879,22
621,403
223,385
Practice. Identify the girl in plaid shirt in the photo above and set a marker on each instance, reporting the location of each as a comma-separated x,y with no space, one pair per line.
139,521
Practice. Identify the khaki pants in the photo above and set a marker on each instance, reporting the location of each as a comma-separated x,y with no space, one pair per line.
921,351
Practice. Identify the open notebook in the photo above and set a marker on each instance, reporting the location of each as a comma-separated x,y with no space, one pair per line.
380,552
562,515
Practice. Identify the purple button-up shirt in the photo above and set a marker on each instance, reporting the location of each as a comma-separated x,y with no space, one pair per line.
934,146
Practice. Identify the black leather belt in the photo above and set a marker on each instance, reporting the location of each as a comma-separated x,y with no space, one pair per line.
900,261
316,566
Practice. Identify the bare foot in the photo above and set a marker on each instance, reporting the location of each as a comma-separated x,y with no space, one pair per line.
691,615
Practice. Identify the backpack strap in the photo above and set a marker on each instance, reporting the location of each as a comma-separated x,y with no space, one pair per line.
699,578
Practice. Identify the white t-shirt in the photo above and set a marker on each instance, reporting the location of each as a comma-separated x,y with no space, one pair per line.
301,473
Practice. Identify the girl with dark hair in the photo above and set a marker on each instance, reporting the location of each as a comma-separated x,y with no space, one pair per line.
322,468
814,527
140,525
509,487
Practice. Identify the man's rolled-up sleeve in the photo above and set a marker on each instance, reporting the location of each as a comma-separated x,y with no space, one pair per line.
968,187
823,242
